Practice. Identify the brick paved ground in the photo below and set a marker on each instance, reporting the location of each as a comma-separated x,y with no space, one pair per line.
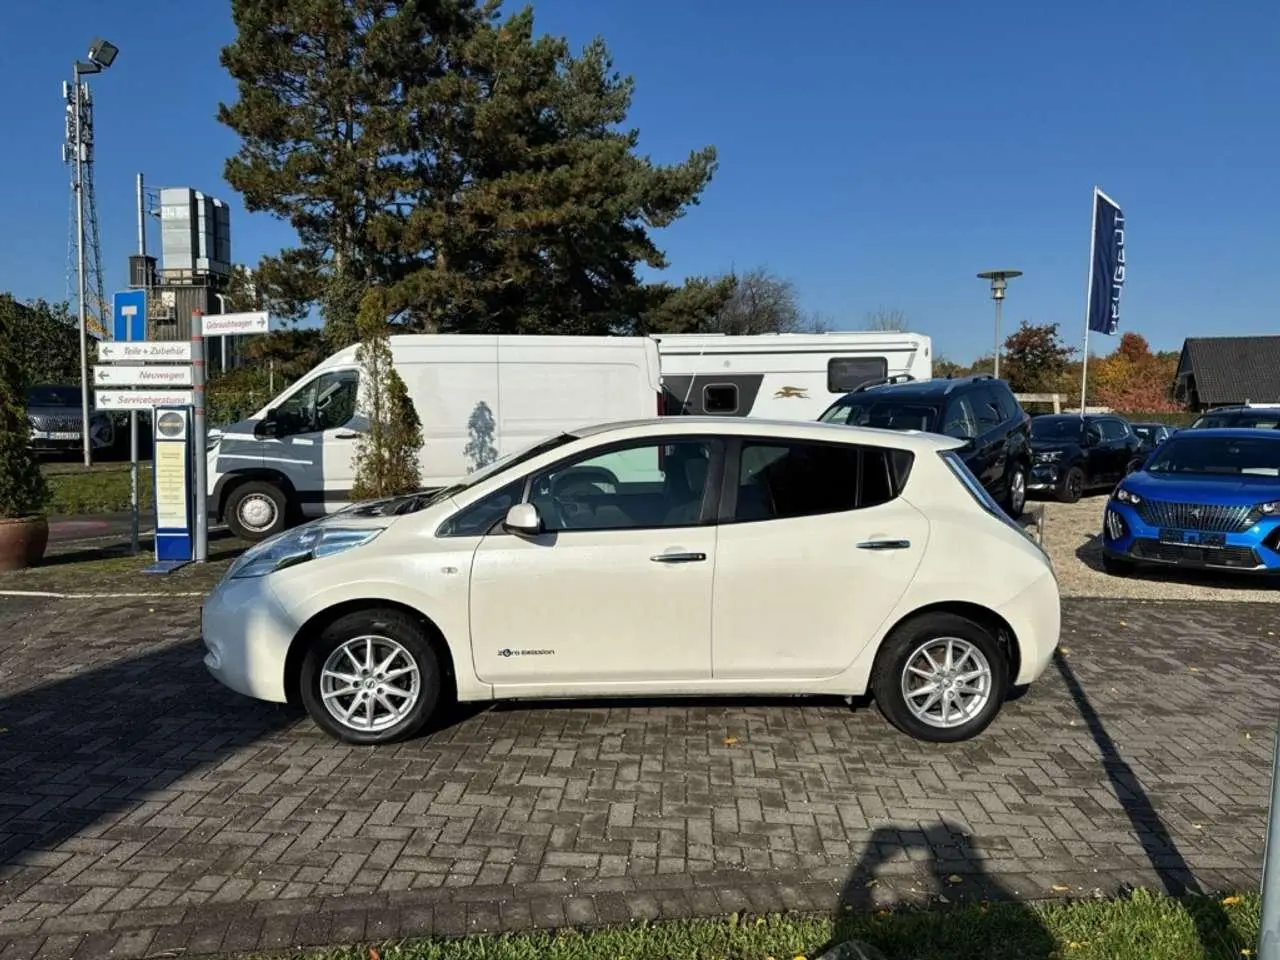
143,809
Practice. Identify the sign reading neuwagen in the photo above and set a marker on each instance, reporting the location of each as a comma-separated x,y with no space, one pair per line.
137,375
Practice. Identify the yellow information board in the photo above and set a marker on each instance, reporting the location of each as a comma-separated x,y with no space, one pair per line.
171,485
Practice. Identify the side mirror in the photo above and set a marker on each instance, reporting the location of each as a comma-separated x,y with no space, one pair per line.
523,519
268,425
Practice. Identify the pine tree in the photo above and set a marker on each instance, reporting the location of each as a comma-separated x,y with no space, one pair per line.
23,491
386,457
481,175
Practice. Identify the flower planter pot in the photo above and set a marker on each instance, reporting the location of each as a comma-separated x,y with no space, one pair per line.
22,541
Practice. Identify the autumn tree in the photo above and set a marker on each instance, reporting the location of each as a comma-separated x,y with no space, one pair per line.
1035,358
885,320
1133,379
481,175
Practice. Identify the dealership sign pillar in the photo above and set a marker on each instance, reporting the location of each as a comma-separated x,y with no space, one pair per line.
174,500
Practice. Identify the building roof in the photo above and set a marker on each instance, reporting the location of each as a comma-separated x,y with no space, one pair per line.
1232,369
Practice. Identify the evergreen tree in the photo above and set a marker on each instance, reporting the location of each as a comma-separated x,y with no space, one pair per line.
23,491
386,458
479,174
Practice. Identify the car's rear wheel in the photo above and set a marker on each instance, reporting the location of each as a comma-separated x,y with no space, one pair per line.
1015,490
371,677
256,510
941,677
1071,488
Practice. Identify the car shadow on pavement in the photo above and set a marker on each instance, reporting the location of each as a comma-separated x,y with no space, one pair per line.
97,752
941,864
1212,927
1090,554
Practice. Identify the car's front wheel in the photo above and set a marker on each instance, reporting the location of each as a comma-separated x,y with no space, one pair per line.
941,677
371,677
1071,488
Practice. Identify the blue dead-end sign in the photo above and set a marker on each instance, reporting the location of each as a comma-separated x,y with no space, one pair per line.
129,315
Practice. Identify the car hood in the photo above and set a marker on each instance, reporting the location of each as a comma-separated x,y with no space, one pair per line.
1231,490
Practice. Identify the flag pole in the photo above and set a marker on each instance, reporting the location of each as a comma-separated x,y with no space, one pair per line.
1088,299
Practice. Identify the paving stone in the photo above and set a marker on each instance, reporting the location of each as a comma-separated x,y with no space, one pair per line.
192,815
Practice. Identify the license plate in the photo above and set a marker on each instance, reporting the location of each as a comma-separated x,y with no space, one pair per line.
1194,538
62,435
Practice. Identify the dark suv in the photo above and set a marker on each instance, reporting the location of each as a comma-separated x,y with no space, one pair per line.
980,410
1075,454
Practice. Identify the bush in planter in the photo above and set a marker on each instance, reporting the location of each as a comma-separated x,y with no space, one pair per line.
24,532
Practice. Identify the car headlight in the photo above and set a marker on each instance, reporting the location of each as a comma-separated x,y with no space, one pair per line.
1049,456
298,546
1127,496
1269,509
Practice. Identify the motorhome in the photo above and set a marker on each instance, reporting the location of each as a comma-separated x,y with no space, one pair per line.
478,397
782,376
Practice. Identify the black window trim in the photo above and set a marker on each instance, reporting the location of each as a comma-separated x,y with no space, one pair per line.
737,403
732,470
710,491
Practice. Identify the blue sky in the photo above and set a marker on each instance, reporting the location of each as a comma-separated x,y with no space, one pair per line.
876,153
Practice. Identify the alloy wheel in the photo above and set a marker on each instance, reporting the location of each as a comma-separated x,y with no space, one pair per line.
370,683
946,682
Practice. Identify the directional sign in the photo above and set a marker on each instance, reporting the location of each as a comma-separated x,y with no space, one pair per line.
174,351
235,324
139,376
129,315
141,399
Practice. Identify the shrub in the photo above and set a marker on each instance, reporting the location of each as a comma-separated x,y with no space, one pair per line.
23,491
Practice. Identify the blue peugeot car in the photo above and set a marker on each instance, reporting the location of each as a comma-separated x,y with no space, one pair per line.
1204,498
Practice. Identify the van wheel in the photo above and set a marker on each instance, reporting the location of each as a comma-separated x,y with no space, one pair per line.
371,677
940,677
256,510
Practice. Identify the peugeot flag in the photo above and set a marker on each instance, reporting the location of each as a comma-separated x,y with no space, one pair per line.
1106,277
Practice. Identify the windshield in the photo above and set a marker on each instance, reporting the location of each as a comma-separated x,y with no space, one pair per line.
1218,455
1056,428
502,463
885,413
1257,421
1145,432
53,397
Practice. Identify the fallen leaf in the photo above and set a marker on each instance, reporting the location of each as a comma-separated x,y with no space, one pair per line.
1194,669
955,878
730,741
871,883
1059,888
1064,650
373,954
1231,901
1124,623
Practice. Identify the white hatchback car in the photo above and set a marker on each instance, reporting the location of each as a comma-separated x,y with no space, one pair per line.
655,558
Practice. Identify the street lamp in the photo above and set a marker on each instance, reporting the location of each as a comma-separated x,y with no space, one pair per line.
999,280
101,55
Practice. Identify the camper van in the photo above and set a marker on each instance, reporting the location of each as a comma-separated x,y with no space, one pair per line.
781,376
479,398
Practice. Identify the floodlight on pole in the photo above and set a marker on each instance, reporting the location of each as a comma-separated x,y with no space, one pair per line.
999,281
101,55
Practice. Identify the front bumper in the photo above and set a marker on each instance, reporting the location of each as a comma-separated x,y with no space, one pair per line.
1044,476
247,635
1126,536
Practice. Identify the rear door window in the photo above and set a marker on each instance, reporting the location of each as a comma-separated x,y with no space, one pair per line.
986,409
782,480
959,421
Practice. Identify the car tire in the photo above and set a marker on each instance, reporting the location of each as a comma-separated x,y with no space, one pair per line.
1117,566
902,664
389,640
256,510
1071,487
1015,490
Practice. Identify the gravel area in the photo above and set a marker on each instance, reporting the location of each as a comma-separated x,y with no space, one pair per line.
1072,538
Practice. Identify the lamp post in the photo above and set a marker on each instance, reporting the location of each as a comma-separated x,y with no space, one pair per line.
999,280
101,55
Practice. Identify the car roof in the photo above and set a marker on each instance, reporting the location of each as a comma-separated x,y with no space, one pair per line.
1232,433
769,429
933,389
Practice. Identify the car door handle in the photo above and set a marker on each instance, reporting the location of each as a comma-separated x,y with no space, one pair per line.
346,436
884,545
678,557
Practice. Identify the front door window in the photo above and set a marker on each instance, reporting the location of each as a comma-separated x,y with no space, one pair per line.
326,403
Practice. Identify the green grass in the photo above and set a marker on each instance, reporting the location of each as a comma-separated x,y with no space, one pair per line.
1142,926
102,488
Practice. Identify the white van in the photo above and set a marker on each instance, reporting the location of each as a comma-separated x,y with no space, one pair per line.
479,398
782,376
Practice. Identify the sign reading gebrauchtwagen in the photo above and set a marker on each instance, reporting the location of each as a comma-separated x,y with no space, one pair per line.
1106,279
